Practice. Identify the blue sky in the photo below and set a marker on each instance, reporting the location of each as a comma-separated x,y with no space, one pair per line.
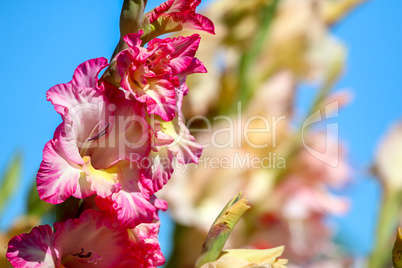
43,42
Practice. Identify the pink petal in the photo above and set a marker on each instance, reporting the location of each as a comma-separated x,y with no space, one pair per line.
156,170
162,99
159,204
34,249
57,177
185,21
133,39
94,236
128,137
147,251
184,146
185,49
134,56
85,114
132,208
175,15
159,96
85,75
196,66
131,204
171,6
71,98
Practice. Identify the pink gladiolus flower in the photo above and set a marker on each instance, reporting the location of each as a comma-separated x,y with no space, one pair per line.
92,240
156,76
91,149
175,15
152,74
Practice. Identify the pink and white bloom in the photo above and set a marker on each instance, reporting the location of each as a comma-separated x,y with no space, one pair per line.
92,240
152,74
90,152
156,76
176,15
295,199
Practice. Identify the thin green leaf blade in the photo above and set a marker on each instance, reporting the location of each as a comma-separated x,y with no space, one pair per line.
10,179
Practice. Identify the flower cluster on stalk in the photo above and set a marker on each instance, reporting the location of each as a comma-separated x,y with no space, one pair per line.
115,147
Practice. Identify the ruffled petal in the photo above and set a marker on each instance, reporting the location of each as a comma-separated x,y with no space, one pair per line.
158,94
87,72
196,66
92,240
147,252
135,53
159,204
185,49
128,137
184,21
175,15
162,99
130,205
173,6
184,146
34,249
68,98
85,118
132,208
156,170
57,177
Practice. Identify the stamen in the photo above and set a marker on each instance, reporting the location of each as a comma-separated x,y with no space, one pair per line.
86,255
81,254
94,256
85,146
103,132
77,254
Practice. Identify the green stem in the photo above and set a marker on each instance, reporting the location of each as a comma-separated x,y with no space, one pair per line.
382,252
294,144
246,81
173,261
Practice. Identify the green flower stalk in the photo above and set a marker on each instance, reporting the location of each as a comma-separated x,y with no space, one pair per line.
131,20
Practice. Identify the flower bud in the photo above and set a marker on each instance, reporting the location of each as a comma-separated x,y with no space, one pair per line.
221,228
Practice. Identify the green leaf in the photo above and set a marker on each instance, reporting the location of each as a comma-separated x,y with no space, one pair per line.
10,179
35,205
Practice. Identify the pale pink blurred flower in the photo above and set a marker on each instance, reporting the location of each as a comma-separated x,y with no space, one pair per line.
295,200
331,167
388,162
